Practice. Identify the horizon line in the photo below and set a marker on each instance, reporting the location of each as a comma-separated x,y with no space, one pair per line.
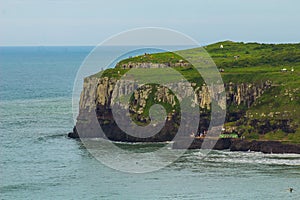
204,44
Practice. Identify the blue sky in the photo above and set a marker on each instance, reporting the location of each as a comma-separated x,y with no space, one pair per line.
83,22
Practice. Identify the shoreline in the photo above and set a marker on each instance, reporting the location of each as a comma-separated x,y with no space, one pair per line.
230,144
242,145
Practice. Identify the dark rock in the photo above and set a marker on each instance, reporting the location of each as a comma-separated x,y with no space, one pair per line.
242,145
73,134
220,144
264,146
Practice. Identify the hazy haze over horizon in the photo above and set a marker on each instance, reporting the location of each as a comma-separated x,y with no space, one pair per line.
72,23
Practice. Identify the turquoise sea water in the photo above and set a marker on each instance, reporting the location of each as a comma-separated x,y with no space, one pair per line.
38,161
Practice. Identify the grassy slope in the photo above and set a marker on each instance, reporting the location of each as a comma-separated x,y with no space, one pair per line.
256,62
262,62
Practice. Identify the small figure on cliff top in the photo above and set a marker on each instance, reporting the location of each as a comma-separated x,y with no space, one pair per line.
236,57
283,70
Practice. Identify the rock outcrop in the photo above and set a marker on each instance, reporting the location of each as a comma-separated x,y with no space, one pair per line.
131,65
99,92
99,95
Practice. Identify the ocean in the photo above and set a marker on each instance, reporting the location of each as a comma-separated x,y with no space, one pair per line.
39,161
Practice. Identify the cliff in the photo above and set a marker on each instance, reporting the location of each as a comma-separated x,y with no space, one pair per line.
262,102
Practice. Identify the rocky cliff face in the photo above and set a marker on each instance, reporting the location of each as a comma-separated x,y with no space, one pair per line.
99,95
99,92
131,65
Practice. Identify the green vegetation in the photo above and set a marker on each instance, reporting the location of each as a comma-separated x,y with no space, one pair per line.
228,135
167,57
276,114
242,62
151,101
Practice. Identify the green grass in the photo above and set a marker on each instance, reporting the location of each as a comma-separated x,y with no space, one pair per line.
278,135
294,138
167,57
256,62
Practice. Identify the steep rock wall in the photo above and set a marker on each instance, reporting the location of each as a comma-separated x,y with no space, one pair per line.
99,91
100,94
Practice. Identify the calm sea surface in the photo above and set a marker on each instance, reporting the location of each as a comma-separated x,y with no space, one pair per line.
38,161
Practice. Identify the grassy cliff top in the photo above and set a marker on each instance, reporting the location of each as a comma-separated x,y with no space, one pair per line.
241,62
249,55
